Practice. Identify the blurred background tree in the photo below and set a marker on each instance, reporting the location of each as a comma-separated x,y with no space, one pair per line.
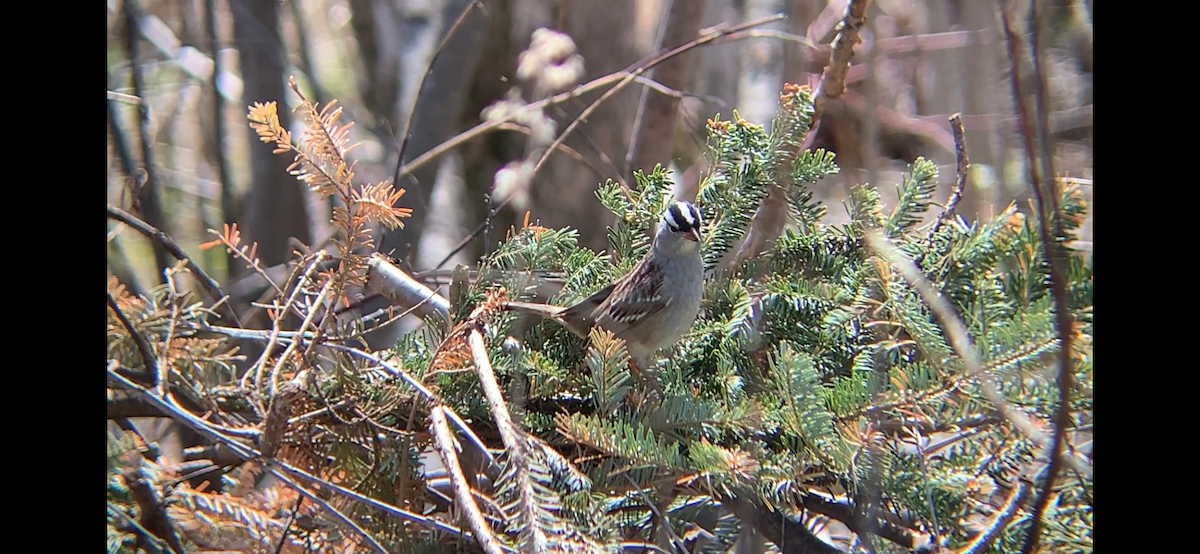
195,66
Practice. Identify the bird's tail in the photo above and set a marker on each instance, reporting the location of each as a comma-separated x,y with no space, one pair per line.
543,310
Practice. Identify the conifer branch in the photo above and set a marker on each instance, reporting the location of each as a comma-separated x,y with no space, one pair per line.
144,348
961,341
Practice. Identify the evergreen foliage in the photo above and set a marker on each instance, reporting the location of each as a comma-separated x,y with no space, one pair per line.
814,376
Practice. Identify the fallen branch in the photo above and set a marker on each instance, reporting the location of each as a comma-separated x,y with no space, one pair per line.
394,284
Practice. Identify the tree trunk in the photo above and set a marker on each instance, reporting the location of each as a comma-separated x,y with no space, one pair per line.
275,205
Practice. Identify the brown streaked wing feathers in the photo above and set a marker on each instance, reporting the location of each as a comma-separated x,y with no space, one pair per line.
634,305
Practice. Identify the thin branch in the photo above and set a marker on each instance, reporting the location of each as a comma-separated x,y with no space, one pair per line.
276,327
620,77
322,298
770,217
229,204
960,183
458,482
857,522
400,165
209,284
278,468
1050,229
142,344
640,69
149,200
999,520
153,517
156,544
790,536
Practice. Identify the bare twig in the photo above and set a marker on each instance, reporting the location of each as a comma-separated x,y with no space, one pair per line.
142,344
458,482
400,165
1050,229
164,365
151,204
770,217
638,70
170,245
276,326
999,520
317,304
392,282
599,82
278,468
960,183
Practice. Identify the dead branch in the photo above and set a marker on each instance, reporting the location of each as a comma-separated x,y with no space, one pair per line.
769,220
446,445
399,287
153,517
159,237
280,469
960,181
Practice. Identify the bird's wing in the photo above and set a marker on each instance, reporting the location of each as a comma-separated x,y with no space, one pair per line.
625,306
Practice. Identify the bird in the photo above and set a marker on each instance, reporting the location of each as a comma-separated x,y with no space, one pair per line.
654,304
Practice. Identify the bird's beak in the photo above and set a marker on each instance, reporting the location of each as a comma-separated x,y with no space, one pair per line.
694,235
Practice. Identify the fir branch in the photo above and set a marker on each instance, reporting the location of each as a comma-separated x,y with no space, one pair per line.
768,221
961,342
518,457
999,520
607,362
154,516
913,198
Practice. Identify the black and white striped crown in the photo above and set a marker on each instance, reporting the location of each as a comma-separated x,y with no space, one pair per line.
682,217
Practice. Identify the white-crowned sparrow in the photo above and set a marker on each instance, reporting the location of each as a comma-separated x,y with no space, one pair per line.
656,303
